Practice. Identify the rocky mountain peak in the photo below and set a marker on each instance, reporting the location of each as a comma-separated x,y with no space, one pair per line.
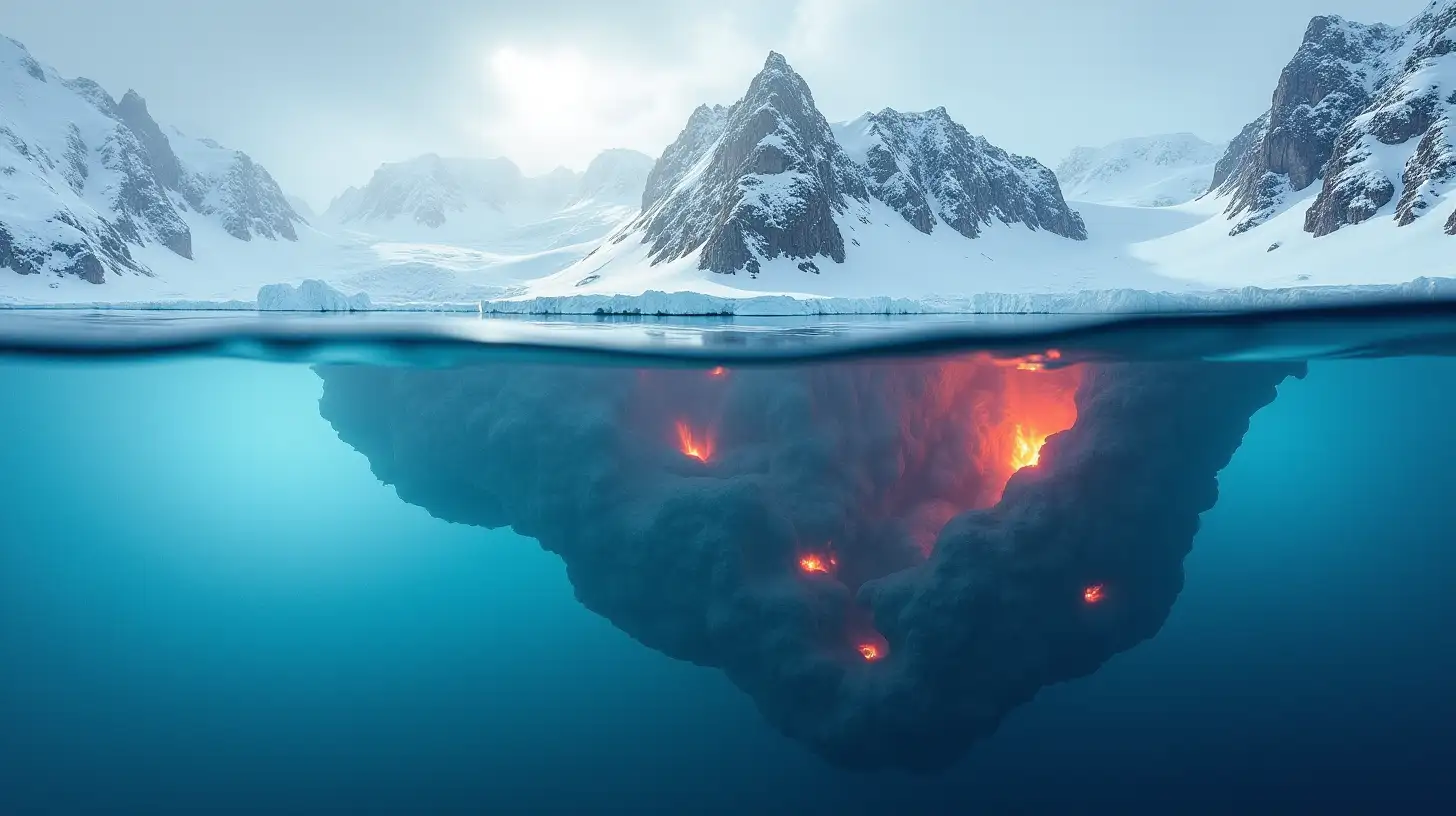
1361,110
1327,82
100,176
770,178
769,184
704,127
132,109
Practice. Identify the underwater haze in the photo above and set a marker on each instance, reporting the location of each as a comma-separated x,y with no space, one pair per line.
211,602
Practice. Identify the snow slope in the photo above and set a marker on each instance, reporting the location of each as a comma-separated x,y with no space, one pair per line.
90,183
1146,171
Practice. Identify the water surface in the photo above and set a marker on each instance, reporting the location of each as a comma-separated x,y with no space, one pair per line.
208,603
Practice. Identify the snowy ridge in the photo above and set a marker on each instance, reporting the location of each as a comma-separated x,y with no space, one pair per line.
90,181
1147,171
931,170
1362,111
769,188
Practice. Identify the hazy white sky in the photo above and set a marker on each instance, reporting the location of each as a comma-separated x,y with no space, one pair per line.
322,91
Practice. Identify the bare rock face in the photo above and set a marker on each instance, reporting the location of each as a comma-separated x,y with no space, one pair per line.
769,185
1362,110
1410,112
87,178
1238,151
919,158
133,112
244,197
1325,85
770,178
697,138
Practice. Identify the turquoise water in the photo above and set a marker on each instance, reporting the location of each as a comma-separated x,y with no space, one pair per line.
210,603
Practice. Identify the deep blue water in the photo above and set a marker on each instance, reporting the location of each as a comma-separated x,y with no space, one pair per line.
209,604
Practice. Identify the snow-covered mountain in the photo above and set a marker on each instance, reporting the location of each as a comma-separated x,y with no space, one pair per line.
87,181
432,197
1147,171
1362,111
768,187
1344,180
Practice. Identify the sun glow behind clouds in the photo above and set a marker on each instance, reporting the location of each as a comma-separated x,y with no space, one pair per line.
563,106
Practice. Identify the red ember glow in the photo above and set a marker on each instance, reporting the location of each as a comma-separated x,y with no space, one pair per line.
1092,594
814,563
718,371
692,445
869,651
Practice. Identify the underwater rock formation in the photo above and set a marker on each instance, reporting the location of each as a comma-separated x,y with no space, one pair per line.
888,556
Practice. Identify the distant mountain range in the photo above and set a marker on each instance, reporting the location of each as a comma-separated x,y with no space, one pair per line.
1146,171
767,195
486,196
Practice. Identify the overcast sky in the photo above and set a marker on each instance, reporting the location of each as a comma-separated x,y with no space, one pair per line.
321,95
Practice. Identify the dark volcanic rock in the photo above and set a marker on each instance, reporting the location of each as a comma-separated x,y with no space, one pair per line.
972,589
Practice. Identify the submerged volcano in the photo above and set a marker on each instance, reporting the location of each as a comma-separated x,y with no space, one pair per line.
888,557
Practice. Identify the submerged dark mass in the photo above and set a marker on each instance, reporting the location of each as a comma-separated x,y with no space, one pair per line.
888,556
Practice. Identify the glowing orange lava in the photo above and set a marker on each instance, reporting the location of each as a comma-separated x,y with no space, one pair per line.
869,651
814,563
1026,447
693,446
1038,403
1092,594
718,371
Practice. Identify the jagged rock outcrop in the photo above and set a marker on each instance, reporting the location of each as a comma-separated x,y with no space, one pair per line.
87,178
928,163
1328,82
770,185
770,178
1362,110
1408,116
697,138
240,193
1238,151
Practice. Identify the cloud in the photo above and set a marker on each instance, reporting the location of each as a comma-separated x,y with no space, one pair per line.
562,104
553,103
